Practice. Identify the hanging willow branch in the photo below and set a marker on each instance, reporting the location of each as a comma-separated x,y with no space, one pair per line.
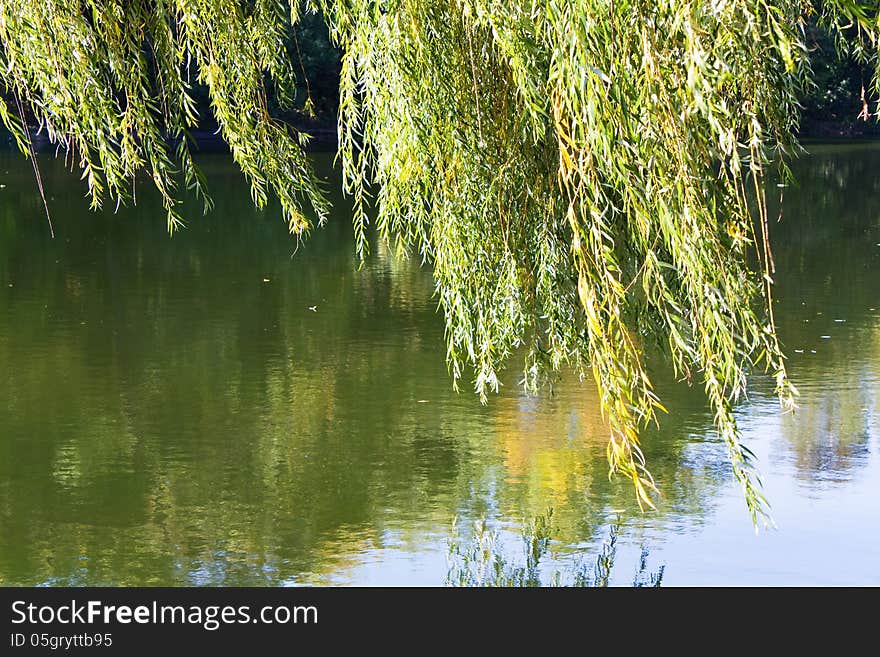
577,172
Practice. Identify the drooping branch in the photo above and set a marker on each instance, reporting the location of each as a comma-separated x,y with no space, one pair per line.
581,174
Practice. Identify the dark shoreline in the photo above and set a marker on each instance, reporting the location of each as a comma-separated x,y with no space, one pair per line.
324,136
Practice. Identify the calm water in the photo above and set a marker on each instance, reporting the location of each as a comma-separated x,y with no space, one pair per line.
172,411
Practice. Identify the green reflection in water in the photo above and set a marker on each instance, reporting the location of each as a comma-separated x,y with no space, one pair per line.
217,409
828,270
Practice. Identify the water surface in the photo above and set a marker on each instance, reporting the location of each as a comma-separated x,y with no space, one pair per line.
228,407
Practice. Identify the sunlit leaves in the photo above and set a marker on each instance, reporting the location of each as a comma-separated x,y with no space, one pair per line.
110,82
576,172
582,175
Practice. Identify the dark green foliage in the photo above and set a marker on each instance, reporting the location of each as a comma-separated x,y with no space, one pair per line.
835,104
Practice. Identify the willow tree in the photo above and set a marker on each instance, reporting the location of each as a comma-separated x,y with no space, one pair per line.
582,175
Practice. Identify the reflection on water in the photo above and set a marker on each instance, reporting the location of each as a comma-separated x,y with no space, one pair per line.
829,301
214,408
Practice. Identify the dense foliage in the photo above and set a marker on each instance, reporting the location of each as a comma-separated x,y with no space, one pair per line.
837,102
577,172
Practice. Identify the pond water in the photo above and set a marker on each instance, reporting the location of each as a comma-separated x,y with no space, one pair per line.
227,407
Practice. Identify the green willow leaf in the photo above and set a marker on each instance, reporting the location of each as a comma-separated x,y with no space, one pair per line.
584,176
